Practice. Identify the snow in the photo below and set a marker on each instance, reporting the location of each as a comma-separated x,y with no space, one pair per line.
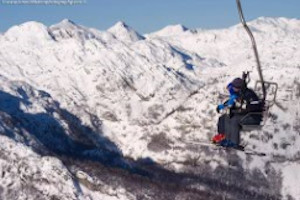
148,95
290,179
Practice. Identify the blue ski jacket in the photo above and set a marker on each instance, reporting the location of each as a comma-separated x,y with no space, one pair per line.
232,98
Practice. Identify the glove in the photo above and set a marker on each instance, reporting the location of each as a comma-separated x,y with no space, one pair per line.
220,107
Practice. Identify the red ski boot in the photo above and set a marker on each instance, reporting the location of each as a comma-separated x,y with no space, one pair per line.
218,138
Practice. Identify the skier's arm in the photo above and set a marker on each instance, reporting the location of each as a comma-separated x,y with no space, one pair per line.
228,104
231,101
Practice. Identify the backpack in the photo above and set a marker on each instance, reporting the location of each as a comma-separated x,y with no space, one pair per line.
252,107
251,101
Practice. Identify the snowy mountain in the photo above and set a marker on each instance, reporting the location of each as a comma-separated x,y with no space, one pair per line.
89,114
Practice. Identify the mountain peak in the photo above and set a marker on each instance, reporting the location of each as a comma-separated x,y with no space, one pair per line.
32,25
171,30
271,24
31,29
124,32
69,29
121,24
65,23
179,27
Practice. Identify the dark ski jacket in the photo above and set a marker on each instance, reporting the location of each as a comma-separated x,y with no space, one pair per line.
247,102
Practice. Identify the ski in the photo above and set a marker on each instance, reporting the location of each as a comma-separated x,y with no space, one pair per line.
241,148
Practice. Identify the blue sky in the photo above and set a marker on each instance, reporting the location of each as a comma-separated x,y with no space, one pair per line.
147,16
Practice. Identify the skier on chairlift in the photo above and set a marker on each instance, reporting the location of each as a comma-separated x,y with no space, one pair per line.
241,103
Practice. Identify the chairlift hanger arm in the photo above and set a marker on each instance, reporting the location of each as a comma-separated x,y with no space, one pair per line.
243,21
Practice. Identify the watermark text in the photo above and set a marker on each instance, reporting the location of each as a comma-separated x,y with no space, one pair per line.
43,2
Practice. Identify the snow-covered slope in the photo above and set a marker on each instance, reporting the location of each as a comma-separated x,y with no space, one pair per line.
90,102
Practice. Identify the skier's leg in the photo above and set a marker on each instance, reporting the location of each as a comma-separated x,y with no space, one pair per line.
235,129
221,124
227,126
221,130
